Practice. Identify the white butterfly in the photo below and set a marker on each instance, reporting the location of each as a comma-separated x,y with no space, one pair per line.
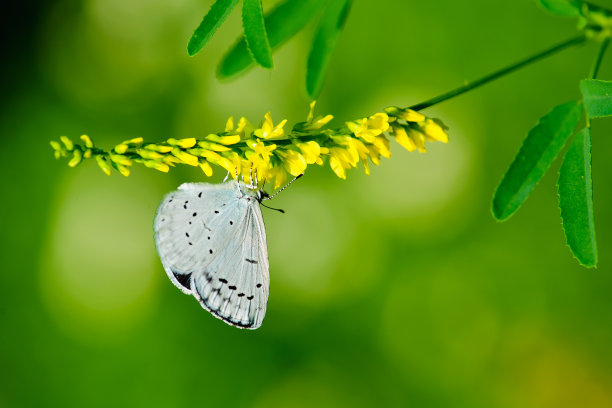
212,243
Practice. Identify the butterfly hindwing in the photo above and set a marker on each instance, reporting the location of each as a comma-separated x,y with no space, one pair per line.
211,240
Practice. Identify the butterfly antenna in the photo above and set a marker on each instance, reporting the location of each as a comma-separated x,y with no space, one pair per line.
275,209
286,185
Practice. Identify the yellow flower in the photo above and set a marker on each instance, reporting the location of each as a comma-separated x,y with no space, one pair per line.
402,138
433,130
268,130
293,162
311,151
205,166
106,168
123,170
341,159
87,140
185,157
418,138
279,175
408,115
121,148
368,129
67,142
148,154
183,143
119,159
76,158
213,146
159,148
229,125
163,167
382,143
224,140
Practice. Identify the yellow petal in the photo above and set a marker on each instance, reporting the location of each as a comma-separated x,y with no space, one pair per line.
121,148
411,116
337,167
76,158
379,121
402,138
184,143
206,169
434,131
229,125
119,159
87,140
185,157
67,142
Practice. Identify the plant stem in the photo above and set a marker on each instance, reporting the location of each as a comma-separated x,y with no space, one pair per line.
599,57
498,74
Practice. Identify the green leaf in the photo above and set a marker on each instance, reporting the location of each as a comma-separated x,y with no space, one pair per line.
282,23
565,8
597,97
323,45
540,148
255,33
211,22
576,200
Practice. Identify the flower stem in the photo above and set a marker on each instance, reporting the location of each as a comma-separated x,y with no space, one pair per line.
599,57
498,74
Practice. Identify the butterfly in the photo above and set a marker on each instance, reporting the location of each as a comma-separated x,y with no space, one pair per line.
211,240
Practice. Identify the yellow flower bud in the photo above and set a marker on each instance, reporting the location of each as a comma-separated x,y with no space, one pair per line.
56,146
119,159
185,157
76,158
402,138
106,168
159,148
184,143
163,167
433,131
310,150
224,140
148,154
229,125
293,162
67,142
121,148
213,146
123,170
206,169
87,153
87,140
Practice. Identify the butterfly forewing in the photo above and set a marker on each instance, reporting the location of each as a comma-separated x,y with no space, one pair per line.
211,240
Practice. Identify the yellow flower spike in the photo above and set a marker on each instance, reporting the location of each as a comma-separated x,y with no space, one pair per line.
402,138
87,154
229,125
206,168
293,162
183,143
87,140
123,170
103,164
148,154
163,167
76,158
119,159
310,150
67,142
379,121
433,131
185,157
121,148
418,138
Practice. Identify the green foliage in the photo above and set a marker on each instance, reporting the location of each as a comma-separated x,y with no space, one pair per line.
597,97
209,25
255,33
576,199
539,150
282,23
323,45
566,8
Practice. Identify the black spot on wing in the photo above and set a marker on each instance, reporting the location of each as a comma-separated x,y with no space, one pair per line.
184,280
253,261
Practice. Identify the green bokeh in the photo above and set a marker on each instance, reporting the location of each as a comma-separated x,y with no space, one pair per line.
394,289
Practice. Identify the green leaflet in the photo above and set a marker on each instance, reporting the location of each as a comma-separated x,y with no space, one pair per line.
597,97
565,8
323,45
211,22
576,199
281,23
255,33
540,148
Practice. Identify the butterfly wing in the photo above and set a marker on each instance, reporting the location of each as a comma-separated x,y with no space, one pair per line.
211,240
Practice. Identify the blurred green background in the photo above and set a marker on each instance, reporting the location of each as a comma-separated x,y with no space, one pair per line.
394,289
